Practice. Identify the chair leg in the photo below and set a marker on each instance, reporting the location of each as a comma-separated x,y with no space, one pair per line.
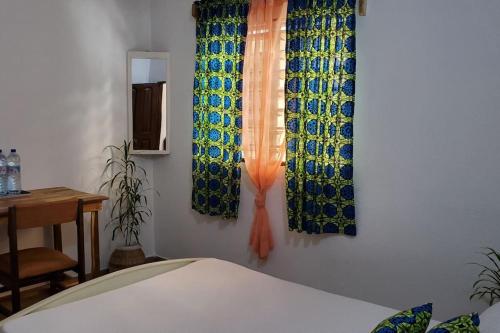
81,276
53,285
16,299
81,243
54,282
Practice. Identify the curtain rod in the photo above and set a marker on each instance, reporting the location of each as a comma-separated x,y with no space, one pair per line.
362,7
195,11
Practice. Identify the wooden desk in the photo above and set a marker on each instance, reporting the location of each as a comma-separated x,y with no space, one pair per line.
92,205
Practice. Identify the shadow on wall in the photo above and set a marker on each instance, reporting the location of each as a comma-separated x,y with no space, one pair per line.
278,219
73,54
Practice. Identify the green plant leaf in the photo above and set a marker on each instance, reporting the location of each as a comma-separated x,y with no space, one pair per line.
126,183
488,283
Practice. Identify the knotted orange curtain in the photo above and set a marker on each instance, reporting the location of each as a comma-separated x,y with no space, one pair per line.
263,104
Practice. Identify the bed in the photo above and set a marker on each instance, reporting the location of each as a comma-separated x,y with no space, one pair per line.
195,295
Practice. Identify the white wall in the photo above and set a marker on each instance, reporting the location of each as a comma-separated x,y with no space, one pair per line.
63,93
427,152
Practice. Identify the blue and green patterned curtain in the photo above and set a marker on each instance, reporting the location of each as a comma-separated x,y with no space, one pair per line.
220,45
320,79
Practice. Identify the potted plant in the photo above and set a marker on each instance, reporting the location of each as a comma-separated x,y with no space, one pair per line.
488,282
126,186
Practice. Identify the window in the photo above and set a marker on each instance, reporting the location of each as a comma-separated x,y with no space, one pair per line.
280,100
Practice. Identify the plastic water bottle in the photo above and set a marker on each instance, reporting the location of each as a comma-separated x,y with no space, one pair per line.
14,172
3,174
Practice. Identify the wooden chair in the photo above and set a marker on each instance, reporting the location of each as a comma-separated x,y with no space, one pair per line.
20,268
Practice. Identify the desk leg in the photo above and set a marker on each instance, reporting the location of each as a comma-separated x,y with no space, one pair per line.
94,237
57,237
58,247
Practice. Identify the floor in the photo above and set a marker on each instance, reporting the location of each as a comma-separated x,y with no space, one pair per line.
28,297
32,295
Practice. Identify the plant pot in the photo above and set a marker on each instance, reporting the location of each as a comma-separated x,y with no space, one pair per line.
125,257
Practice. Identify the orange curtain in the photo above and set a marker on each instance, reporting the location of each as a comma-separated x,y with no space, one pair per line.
263,109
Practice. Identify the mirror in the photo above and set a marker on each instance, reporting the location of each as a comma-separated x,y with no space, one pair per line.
149,102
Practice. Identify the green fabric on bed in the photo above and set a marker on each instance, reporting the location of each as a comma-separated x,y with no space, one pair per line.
463,324
415,320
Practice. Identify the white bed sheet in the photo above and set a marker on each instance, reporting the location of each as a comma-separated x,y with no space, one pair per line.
209,296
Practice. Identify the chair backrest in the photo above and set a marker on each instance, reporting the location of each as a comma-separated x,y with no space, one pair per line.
45,214
40,215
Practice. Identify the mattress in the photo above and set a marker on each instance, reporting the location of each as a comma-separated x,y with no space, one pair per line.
209,296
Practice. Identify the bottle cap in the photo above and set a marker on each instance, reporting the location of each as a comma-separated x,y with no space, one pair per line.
13,150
